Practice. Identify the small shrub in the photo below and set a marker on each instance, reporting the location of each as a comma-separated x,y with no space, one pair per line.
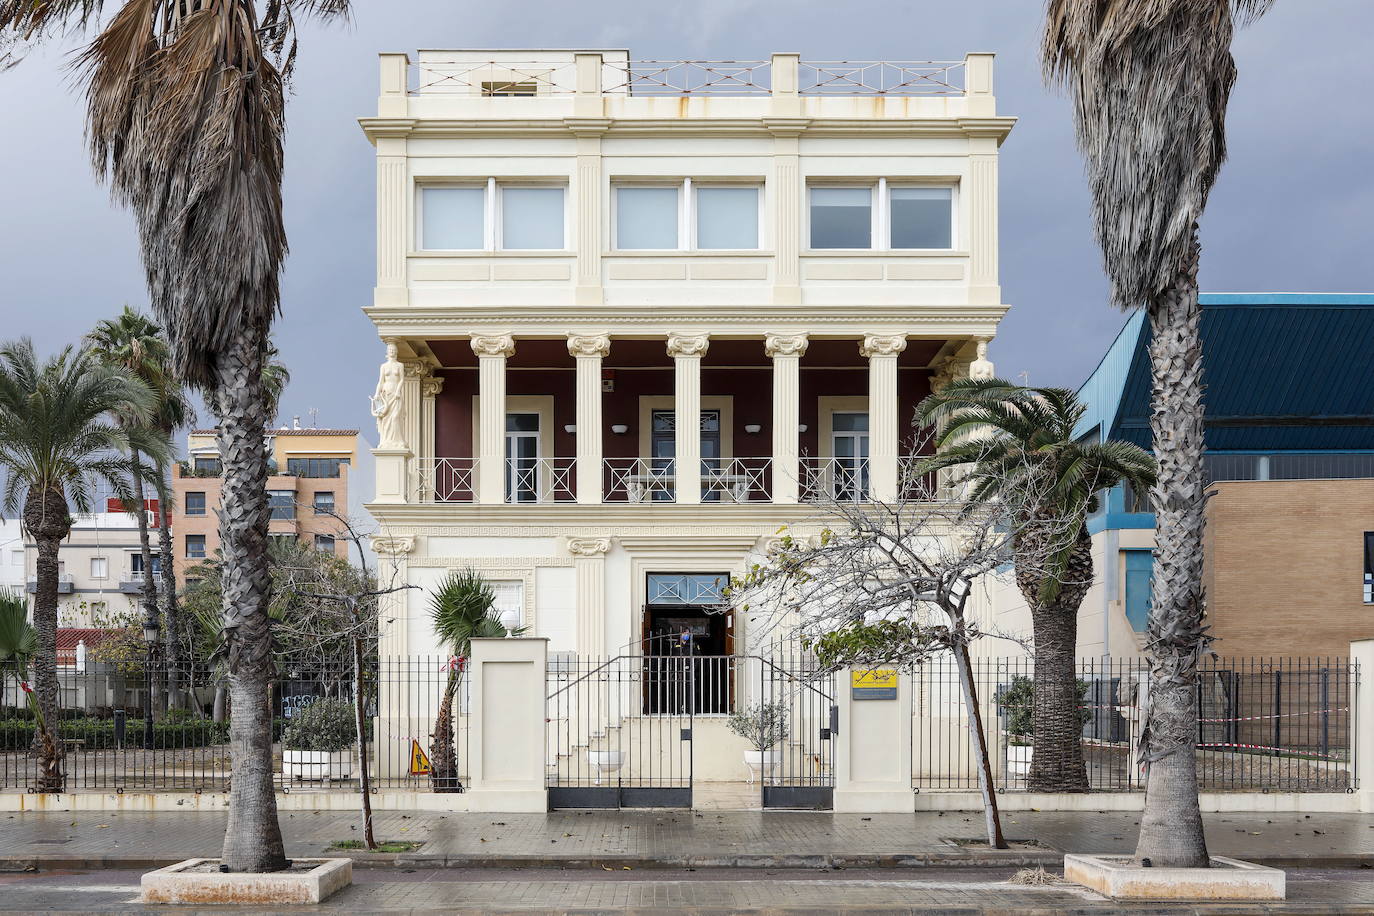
1018,701
763,725
325,725
99,734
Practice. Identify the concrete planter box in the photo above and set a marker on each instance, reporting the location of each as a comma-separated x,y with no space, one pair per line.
1120,878
761,763
603,762
187,883
325,765
1019,759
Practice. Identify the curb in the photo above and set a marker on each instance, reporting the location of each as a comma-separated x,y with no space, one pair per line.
1010,859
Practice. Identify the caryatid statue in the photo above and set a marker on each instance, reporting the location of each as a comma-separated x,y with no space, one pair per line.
387,405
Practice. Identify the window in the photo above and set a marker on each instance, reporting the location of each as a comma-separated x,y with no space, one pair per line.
192,582
136,564
324,502
208,467
194,503
493,216
849,445
195,546
884,216
324,543
100,568
17,557
510,602
663,448
1369,567
687,588
841,217
314,467
531,219
281,542
718,217
522,457
1140,568
282,503
921,217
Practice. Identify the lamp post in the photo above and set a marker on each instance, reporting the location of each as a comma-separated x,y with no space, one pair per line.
150,639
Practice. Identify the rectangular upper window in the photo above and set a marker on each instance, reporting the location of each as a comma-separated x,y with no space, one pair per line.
687,216
194,503
324,502
886,216
314,467
100,568
195,546
282,503
493,216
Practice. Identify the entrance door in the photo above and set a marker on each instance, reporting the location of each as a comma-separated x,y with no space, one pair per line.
663,443
849,445
522,457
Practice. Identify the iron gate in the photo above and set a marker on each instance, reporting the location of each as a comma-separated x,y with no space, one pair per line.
801,773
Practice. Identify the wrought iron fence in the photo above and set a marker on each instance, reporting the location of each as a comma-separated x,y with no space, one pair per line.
107,745
445,480
1264,724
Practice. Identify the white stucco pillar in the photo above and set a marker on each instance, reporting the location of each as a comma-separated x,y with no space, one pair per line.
873,748
1362,732
492,352
882,352
588,351
506,745
430,387
589,562
687,351
786,351
400,687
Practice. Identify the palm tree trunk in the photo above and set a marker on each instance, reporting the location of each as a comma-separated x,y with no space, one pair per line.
443,759
1171,825
252,840
46,518
150,612
1057,763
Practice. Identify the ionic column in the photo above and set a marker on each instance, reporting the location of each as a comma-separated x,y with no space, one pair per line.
587,352
687,351
492,353
430,386
881,352
589,562
786,351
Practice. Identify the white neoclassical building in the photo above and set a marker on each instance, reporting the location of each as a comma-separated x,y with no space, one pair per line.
581,255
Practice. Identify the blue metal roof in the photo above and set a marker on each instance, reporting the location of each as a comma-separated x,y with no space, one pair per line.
1284,371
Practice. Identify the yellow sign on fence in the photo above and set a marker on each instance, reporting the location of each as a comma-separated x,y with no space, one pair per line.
873,684
419,761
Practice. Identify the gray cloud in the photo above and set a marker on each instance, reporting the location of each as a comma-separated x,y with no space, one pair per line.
1291,212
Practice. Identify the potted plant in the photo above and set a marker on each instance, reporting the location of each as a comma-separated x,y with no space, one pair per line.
764,726
1018,705
318,741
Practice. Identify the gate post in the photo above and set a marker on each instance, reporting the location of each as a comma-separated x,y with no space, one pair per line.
507,752
873,748
1362,720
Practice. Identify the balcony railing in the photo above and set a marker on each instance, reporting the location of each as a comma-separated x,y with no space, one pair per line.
839,479
541,480
736,480
640,480
65,586
445,480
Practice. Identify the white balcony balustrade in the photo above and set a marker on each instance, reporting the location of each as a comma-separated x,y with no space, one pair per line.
640,480
839,479
541,480
445,480
736,480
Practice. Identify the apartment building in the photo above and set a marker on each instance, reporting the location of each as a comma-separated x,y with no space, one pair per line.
100,567
581,256
309,472
1289,427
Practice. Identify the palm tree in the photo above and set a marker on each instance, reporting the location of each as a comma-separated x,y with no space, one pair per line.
18,639
1017,445
58,442
185,118
463,609
1150,84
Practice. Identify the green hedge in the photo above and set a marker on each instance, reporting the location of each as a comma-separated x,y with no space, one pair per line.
99,734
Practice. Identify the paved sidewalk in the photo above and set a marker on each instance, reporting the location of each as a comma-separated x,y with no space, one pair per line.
670,839
712,891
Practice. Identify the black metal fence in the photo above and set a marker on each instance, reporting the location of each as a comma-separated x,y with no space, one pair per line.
1264,724
106,744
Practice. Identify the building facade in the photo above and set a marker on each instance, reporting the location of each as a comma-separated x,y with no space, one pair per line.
308,479
581,256
1289,426
100,571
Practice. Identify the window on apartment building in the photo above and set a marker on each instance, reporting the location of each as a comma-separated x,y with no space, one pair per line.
100,568
209,466
717,217
195,546
1369,567
493,216
194,503
314,467
282,503
324,543
884,215
1140,568
16,558
280,542
324,502
136,565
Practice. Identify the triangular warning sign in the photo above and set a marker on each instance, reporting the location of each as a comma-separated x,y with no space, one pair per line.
419,762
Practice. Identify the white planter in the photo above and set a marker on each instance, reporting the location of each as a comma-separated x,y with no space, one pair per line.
325,765
761,763
605,762
1019,759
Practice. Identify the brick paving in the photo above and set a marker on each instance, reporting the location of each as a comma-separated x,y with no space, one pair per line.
676,838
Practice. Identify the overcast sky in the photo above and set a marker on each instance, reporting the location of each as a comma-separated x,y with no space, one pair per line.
1292,211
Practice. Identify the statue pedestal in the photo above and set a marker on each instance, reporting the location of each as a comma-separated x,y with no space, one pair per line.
393,474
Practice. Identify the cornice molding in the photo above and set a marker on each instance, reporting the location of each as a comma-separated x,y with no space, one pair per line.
489,563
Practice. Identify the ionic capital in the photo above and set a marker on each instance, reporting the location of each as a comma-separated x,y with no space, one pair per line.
882,345
415,368
494,345
588,547
680,345
776,345
431,385
598,345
